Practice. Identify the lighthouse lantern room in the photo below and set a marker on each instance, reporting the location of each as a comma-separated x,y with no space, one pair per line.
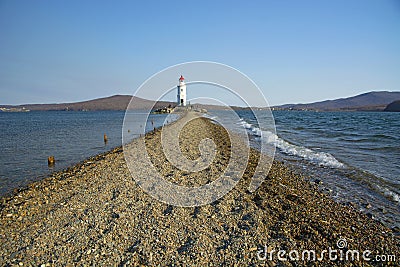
182,92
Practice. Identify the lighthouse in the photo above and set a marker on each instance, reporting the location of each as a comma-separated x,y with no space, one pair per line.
182,92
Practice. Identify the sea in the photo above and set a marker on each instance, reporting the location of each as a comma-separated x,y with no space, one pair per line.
27,139
354,157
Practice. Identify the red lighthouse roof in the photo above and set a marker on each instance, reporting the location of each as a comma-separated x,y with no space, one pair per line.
181,78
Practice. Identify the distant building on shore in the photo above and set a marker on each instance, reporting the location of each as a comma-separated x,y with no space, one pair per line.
182,92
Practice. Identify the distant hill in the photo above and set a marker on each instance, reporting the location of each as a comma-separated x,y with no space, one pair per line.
372,101
394,106
116,102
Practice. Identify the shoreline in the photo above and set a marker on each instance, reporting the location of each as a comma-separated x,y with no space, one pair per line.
39,179
95,213
26,181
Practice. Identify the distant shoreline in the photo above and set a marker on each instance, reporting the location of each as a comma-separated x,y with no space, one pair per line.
372,101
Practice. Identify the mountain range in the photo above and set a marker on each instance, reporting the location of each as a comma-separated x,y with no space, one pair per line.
372,101
115,102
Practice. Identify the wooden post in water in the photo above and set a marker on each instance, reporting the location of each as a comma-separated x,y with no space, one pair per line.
51,160
105,138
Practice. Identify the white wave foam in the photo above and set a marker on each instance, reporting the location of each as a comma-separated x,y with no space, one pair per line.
245,124
321,158
390,194
256,131
393,195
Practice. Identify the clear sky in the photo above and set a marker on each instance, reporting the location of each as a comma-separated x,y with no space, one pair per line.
296,51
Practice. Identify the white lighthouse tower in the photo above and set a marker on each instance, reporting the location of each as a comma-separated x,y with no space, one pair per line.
182,92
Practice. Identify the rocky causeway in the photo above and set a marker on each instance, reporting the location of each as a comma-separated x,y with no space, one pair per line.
95,213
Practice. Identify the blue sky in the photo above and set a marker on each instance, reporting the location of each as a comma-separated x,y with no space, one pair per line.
295,51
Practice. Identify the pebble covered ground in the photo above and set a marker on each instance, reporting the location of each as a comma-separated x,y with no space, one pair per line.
94,213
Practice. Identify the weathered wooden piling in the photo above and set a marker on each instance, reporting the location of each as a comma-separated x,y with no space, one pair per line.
51,160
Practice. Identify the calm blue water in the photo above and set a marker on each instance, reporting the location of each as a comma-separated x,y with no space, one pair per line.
356,155
28,138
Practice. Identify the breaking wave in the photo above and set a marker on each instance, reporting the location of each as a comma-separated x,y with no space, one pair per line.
319,158
390,194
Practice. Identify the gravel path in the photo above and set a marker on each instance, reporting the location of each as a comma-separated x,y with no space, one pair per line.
94,213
